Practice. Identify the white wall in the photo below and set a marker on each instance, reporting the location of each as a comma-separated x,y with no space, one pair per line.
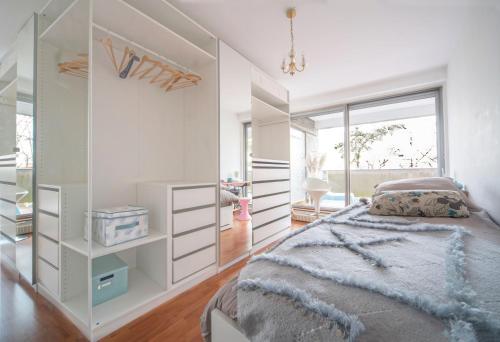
474,110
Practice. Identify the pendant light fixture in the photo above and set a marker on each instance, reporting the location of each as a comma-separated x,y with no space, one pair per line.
290,66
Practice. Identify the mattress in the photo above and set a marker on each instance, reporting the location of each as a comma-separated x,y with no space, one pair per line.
274,291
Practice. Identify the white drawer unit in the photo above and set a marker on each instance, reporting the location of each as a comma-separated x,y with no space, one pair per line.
264,232
48,199
184,221
271,209
191,242
48,250
193,263
270,174
263,217
48,225
261,189
187,212
195,197
260,203
48,276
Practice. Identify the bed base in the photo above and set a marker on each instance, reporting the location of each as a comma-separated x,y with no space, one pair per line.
225,329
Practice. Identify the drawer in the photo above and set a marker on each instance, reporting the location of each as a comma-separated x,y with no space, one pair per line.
270,174
270,201
190,198
48,275
193,263
270,215
260,189
191,242
189,220
48,225
48,200
8,208
48,250
270,229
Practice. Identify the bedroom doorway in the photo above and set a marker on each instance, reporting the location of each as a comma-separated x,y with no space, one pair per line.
355,146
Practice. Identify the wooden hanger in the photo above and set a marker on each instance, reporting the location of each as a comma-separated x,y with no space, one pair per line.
78,67
168,76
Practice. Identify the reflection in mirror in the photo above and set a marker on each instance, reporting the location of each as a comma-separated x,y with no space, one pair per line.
24,148
235,151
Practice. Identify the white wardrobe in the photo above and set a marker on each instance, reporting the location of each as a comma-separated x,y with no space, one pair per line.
105,141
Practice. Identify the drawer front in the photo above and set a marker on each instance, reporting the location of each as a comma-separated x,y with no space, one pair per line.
48,200
267,216
48,225
190,198
48,276
193,263
8,208
263,203
270,174
260,189
191,242
271,229
48,250
189,220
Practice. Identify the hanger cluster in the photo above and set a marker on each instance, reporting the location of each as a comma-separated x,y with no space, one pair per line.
78,67
160,73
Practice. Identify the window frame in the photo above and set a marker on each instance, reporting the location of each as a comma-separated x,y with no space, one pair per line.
436,93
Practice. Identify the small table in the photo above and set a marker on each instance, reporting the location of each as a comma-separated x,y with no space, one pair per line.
244,214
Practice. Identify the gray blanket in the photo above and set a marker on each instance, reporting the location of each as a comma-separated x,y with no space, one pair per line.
358,277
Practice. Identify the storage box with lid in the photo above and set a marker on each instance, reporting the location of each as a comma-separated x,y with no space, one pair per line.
109,278
117,225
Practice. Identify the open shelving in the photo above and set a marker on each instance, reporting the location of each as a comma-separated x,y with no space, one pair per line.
141,290
168,15
80,245
101,135
69,29
263,111
125,20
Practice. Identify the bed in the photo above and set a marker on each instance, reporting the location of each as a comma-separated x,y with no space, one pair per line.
356,276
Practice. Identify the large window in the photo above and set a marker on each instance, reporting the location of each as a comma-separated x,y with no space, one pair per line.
358,146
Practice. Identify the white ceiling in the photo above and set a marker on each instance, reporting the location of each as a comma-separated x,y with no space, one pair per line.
13,15
346,43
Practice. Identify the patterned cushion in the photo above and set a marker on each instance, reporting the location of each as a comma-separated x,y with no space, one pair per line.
419,203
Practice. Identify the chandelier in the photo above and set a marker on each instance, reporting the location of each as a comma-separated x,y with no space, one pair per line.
291,67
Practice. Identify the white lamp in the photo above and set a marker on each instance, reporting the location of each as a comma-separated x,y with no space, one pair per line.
316,188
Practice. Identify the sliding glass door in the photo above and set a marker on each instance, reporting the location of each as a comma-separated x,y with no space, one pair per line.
392,139
356,146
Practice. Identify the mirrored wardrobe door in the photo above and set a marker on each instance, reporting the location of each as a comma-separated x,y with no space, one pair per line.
235,146
25,113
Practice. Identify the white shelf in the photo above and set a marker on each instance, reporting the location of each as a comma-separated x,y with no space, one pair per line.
121,18
69,31
9,90
141,290
80,245
169,16
78,307
263,111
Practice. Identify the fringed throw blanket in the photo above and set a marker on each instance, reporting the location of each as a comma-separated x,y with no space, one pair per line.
356,277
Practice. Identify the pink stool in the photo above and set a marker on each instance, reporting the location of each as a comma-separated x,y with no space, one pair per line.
244,215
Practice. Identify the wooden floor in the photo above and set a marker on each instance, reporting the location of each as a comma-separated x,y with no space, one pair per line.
27,316
236,241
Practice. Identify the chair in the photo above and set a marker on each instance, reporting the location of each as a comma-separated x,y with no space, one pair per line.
316,188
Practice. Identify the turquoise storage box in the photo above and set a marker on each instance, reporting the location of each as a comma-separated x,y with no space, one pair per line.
109,278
